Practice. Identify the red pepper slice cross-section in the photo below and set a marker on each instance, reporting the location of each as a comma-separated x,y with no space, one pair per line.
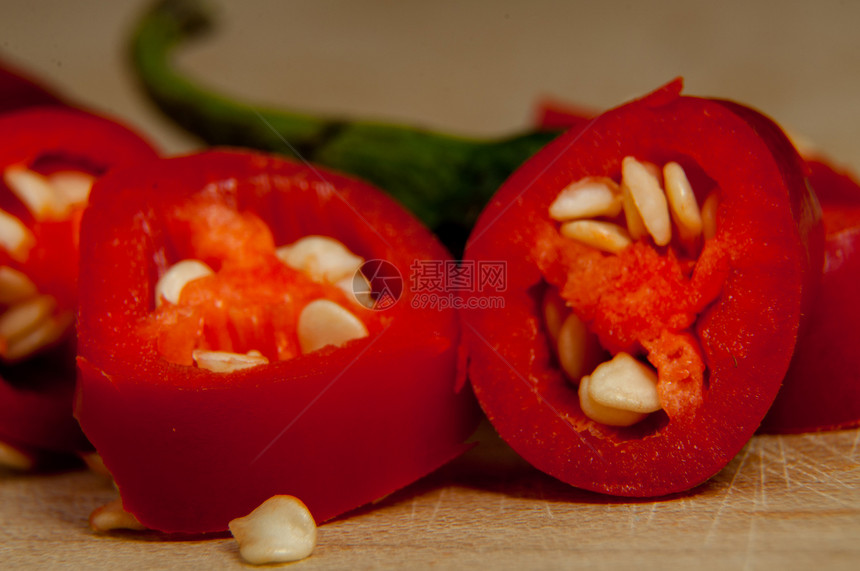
821,390
191,448
49,158
715,319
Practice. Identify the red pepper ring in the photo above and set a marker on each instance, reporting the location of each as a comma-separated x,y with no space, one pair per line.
36,389
191,449
821,390
767,227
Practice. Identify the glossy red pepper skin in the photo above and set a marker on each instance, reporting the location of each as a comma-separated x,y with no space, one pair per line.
36,394
769,225
821,390
191,449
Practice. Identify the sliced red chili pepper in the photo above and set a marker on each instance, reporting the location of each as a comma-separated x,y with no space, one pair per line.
822,388
191,448
48,158
18,90
703,327
554,114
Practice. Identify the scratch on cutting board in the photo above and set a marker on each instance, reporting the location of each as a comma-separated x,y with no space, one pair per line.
726,496
544,501
818,441
760,496
749,555
436,507
784,463
651,513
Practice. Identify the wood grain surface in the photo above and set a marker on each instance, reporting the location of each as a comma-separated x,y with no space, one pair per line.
477,67
785,502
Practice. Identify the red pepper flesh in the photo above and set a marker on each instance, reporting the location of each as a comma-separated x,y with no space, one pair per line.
821,390
36,393
760,272
191,449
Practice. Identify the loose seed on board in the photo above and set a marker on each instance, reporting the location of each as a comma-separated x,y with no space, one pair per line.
322,258
11,457
15,286
15,237
682,201
323,322
169,286
649,198
227,362
112,516
587,198
604,236
281,529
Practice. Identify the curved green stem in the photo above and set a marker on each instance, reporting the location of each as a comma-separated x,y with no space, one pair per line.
445,180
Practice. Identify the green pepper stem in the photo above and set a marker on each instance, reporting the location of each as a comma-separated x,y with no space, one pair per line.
443,179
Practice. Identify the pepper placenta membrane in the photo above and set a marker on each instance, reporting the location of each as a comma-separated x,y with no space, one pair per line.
228,353
49,158
660,260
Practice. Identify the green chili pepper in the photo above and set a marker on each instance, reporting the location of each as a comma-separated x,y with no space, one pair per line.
445,180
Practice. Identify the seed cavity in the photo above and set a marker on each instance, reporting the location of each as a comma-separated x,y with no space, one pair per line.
280,530
323,322
619,392
15,237
15,286
169,287
227,362
604,236
112,516
324,259
587,198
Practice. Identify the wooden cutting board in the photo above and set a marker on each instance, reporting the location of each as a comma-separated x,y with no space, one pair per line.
785,502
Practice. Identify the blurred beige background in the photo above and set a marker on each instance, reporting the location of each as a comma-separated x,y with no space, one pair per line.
473,66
